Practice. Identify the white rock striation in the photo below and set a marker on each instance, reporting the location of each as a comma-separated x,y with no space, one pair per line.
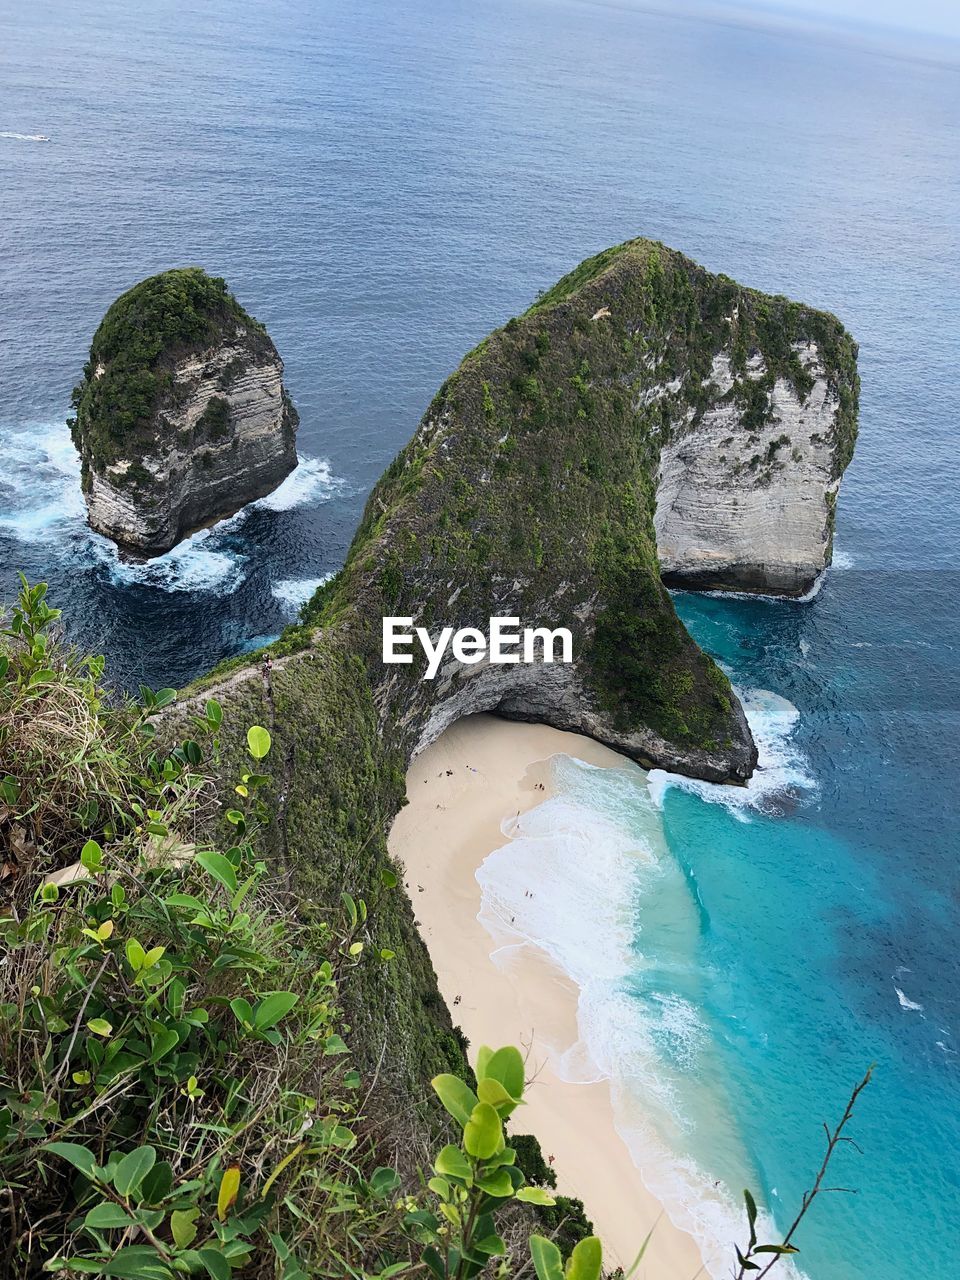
751,509
225,436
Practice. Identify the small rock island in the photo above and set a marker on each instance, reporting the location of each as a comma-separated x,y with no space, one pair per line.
182,417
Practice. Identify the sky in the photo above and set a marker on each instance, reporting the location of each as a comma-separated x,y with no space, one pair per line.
937,17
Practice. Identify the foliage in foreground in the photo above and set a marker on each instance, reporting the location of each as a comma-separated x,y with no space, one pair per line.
177,1095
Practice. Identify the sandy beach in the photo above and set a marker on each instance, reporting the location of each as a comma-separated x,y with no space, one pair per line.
497,770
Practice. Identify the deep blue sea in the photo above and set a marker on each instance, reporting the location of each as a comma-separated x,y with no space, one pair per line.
382,183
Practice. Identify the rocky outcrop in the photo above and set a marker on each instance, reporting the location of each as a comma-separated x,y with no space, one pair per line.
533,488
643,413
182,417
751,507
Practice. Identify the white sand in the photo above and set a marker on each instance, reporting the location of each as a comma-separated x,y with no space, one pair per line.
450,825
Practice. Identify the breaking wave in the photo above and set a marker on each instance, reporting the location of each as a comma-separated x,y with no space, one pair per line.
782,772
41,502
588,878
293,593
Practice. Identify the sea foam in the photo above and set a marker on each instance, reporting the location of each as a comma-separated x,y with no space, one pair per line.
40,489
782,771
41,501
293,593
312,481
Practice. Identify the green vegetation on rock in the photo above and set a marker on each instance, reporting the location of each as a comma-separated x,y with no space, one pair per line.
536,464
142,335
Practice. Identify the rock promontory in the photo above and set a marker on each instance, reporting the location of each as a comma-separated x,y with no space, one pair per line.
182,417
536,486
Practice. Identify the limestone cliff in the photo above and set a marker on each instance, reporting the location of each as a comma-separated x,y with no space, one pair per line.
643,412
745,500
531,489
182,417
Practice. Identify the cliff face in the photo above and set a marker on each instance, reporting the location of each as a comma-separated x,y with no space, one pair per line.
749,506
536,486
182,417
643,412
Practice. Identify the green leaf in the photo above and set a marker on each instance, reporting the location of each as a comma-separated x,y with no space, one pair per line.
243,1011
274,1006
497,1184
183,1225
334,1045
258,741
137,1262
452,1163
163,698
547,1259
158,1183
535,1195
458,1098
586,1260
76,1155
214,713
433,1260
100,1027
186,900
135,954
780,1249
744,1264
107,1216
491,1246
91,856
506,1067
751,1217
492,1091
388,878
163,1042
221,868
384,1181
483,1134
132,1170
216,1264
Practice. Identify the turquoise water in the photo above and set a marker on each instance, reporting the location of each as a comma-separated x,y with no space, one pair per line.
744,956
382,184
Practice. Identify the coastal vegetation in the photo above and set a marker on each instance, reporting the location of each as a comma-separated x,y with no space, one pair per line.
179,1091
184,1089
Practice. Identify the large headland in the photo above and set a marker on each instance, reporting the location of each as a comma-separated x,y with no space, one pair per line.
645,424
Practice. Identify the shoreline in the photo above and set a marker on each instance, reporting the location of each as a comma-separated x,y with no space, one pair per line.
498,770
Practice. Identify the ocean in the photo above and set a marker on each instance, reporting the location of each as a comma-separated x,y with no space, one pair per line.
381,185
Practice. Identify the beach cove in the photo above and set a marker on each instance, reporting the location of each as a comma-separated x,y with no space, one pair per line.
480,774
